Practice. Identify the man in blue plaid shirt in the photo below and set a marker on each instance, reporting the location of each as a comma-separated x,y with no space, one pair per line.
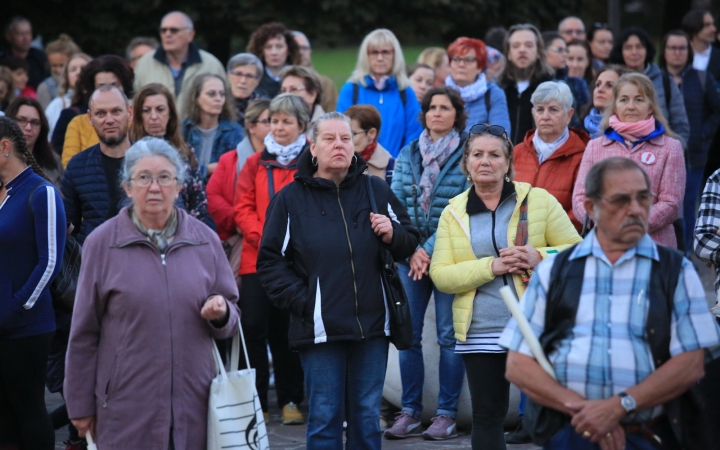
607,380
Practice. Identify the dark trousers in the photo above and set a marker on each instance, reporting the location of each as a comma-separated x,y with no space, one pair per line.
24,421
265,324
490,396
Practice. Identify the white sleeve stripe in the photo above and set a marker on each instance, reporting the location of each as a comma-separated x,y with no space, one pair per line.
287,237
52,249
392,214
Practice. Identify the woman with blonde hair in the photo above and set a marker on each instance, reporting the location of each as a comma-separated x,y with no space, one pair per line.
380,80
636,128
58,52
66,90
210,128
437,58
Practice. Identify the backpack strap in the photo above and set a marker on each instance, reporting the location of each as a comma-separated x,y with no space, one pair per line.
667,89
487,103
390,170
403,96
356,93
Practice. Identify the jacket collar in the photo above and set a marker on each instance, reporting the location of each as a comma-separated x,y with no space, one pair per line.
380,158
193,55
126,233
306,172
591,246
270,159
613,135
570,147
390,84
476,205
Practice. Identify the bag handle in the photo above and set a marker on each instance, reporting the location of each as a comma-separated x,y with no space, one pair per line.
234,354
371,193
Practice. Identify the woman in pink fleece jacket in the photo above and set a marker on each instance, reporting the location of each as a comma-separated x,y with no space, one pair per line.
636,128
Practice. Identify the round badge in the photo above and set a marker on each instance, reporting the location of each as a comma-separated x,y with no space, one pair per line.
648,158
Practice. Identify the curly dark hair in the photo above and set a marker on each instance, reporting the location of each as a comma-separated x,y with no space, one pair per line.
85,85
11,131
616,56
268,31
457,102
41,151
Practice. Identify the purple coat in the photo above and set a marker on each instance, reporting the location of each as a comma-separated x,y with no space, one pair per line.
140,355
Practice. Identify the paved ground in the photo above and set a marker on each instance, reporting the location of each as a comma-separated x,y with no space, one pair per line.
293,437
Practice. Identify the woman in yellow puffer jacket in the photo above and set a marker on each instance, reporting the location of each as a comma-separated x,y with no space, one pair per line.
490,236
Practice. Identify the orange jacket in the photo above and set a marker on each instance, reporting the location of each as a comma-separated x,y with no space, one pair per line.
253,197
558,173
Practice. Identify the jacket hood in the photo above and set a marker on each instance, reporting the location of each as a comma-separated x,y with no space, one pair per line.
306,171
572,146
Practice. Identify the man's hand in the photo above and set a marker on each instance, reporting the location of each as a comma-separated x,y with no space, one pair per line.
594,419
419,263
84,424
614,440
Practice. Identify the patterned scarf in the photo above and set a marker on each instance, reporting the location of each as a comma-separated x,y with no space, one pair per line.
471,92
284,153
369,151
158,238
434,155
592,123
521,237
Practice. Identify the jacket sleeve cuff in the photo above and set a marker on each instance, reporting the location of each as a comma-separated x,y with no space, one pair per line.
230,327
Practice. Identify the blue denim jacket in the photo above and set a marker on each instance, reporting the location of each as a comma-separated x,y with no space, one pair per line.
228,135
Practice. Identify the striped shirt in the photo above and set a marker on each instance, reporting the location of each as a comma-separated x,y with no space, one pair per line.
607,352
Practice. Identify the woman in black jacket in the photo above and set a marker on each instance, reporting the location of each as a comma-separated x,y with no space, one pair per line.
320,259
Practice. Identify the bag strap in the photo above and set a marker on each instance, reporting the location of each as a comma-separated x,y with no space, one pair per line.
234,354
667,89
371,193
403,96
356,93
487,103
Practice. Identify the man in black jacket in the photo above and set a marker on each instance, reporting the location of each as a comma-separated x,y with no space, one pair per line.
525,70
18,34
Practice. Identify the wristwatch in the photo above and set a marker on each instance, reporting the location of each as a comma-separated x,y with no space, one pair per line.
627,402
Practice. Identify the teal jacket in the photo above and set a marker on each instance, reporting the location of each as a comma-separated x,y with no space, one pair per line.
405,185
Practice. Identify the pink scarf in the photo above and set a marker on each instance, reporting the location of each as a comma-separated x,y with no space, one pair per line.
632,131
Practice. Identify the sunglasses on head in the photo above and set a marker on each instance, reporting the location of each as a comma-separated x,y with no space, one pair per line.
601,26
495,130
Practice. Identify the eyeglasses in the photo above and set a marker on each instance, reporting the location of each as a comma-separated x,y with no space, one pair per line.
22,122
677,48
644,199
163,180
246,76
355,133
574,32
495,130
459,60
292,90
558,50
171,30
262,121
378,53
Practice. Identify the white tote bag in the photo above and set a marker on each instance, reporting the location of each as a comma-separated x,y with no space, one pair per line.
235,417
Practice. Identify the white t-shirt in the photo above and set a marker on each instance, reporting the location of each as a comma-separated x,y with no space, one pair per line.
522,85
701,60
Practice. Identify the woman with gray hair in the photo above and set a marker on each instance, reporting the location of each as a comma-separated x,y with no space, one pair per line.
244,72
550,155
320,263
210,128
170,285
380,80
264,174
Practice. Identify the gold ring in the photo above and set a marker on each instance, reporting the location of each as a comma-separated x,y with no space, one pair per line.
587,435
609,435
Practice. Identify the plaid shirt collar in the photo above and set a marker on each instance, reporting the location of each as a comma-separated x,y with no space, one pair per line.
590,246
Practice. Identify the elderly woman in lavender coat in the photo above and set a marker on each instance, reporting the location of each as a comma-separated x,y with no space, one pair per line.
154,289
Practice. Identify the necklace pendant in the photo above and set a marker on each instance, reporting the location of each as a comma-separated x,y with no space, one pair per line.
381,99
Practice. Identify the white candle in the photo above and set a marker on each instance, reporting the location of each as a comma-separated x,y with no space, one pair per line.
514,307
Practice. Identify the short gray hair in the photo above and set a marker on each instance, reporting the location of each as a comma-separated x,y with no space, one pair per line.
553,90
595,180
329,116
188,20
245,59
108,88
300,33
292,105
152,146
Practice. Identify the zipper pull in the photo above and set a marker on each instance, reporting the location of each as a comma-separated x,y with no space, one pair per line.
162,257
381,98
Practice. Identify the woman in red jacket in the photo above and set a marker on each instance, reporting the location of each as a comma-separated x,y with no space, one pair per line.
263,175
549,157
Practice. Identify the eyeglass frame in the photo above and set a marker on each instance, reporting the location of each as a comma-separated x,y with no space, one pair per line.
244,75
489,128
173,30
34,123
154,180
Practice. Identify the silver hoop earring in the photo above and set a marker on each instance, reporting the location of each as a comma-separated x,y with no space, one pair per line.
507,178
313,160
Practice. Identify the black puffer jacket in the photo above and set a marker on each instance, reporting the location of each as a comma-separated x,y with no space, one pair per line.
320,259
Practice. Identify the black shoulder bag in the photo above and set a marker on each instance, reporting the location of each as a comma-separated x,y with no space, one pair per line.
401,331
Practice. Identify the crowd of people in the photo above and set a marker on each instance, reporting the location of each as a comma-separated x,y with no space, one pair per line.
258,195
